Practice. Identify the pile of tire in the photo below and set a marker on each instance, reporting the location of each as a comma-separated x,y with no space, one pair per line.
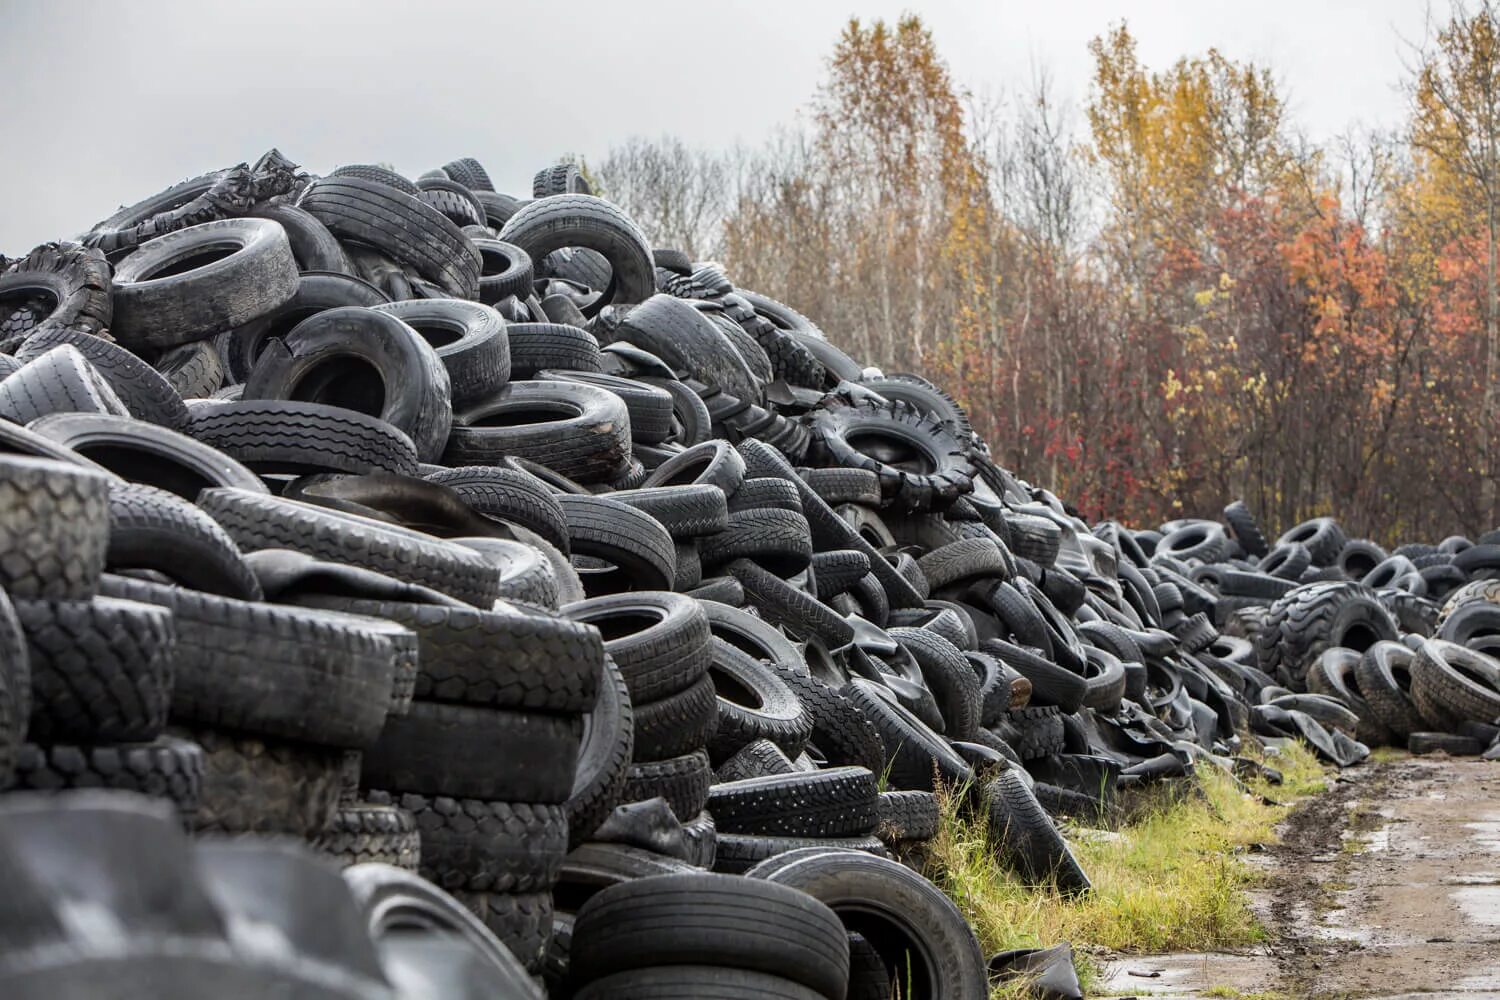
608,622
1391,648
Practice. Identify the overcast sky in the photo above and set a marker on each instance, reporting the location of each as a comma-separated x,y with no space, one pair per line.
108,102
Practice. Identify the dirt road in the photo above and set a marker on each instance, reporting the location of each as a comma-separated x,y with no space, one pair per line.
1387,886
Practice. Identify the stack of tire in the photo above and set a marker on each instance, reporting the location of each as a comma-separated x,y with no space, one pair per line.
87,678
485,758
660,644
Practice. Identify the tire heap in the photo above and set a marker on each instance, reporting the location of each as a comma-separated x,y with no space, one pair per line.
608,622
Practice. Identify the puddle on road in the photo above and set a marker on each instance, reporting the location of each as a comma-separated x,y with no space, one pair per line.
1486,832
1481,904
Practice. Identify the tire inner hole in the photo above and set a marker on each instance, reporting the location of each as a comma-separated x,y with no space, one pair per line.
529,413
191,260
892,451
347,382
729,688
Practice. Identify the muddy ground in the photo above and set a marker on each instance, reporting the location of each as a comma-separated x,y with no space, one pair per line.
1387,886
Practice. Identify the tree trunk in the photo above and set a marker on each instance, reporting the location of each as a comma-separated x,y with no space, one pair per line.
1491,355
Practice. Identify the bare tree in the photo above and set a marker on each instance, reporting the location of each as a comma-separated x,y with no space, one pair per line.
678,195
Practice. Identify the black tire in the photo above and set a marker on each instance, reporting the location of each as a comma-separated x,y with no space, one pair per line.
948,676
144,392
842,733
522,922
777,539
363,360
650,407
765,492
468,172
510,496
194,371
836,802
1385,681
688,511
488,846
682,781
1205,541
782,316
57,286
753,703
659,641
713,463
166,768
1050,683
261,522
501,658
564,178
151,529
740,852
914,755
919,934
1244,529
581,220
454,202
148,454
317,291
607,749
1311,619
287,672
690,344
1033,732
580,431
1287,561
1019,827
59,381
264,785
1462,682
839,486
837,570
963,560
370,833
272,436
755,759
1358,558
400,225
680,723
1322,536
634,543
375,174
314,247
101,670
942,472
907,816
505,270
470,340
536,347
198,281
54,528
701,919
1448,743
1105,676
801,614
691,982
995,681
449,750
691,423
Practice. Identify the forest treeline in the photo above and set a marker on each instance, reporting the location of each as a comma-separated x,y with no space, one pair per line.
1158,301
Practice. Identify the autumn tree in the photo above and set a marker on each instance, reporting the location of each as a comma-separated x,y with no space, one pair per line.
1455,130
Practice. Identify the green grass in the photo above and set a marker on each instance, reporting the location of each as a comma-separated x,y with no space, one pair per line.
1171,879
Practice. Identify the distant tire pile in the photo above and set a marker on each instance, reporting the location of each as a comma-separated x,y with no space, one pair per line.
584,605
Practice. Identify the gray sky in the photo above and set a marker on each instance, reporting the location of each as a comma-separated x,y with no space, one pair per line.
108,102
